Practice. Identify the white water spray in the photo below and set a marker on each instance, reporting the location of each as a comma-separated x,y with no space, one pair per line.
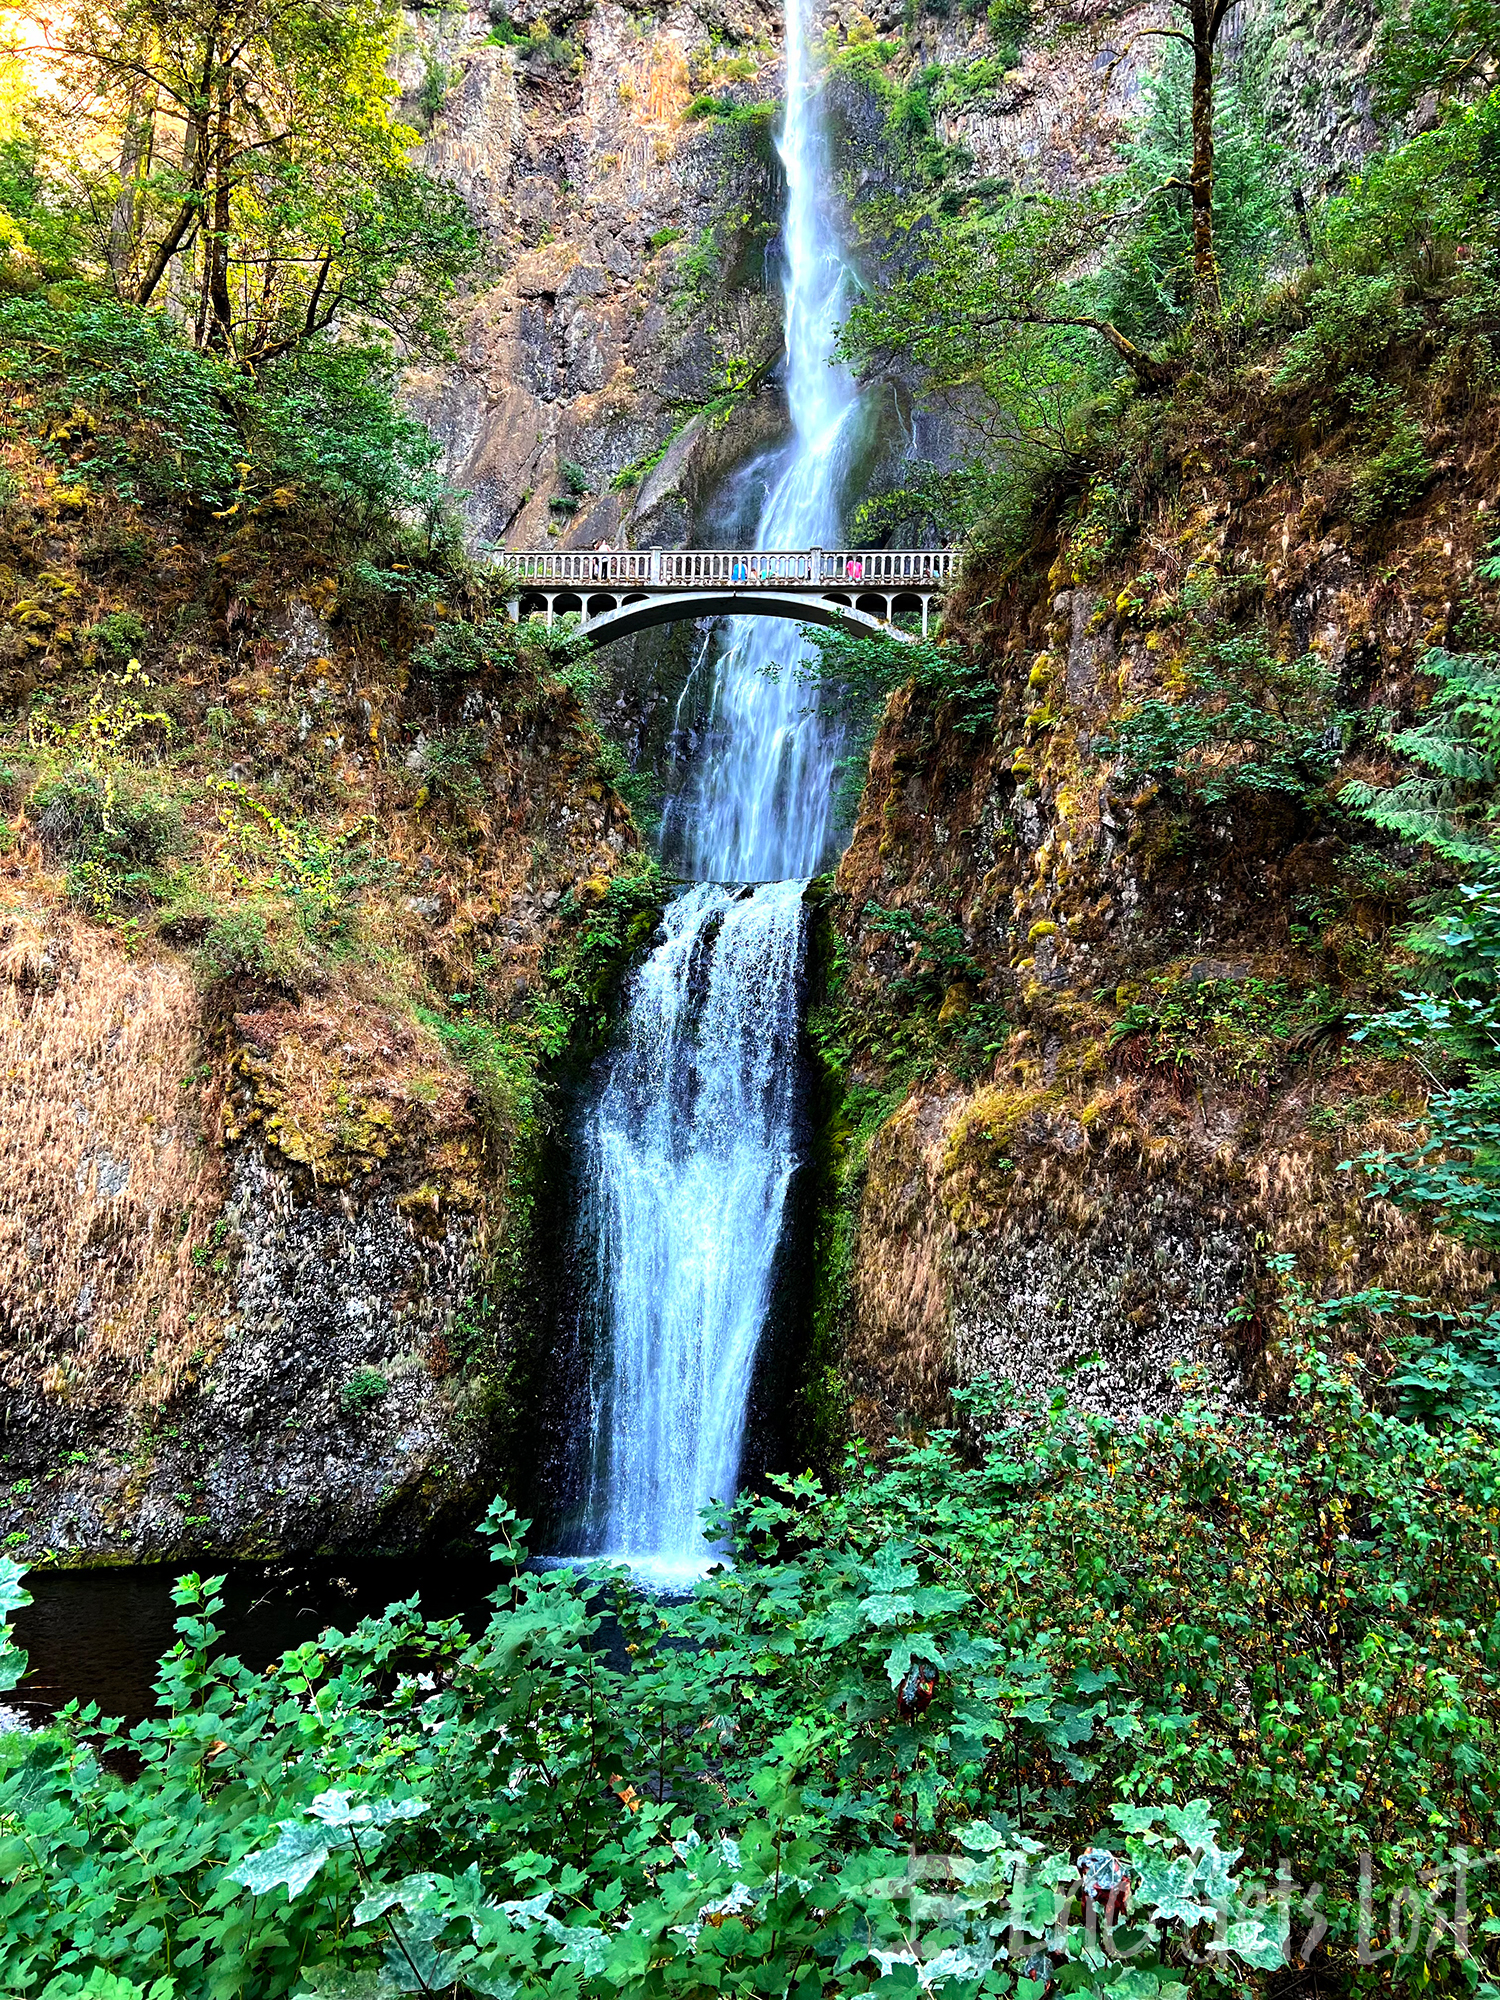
690,1147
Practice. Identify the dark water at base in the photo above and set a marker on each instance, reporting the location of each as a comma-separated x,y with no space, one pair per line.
97,1635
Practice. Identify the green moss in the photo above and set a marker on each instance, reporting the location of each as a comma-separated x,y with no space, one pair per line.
845,1116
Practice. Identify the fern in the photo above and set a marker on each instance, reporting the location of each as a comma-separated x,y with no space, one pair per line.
1448,804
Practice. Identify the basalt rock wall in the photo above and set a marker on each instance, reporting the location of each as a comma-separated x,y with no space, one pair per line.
1135,1004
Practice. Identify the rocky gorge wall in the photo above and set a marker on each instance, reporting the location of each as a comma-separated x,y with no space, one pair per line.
1133,1010
616,362
271,1198
278,985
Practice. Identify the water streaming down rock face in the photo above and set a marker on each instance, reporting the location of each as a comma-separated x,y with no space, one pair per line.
759,804
690,1145
689,1154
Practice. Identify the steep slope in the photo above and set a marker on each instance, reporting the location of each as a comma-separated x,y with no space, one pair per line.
1126,999
301,881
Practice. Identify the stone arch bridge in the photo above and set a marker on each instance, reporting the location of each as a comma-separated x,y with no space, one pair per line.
619,591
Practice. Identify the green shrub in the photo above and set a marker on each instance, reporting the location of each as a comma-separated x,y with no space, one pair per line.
321,423
119,637
1009,21
432,92
660,238
459,649
449,762
1247,723
1044,1637
727,111
364,1389
1450,803
546,51
112,832
1398,470
240,945
1353,321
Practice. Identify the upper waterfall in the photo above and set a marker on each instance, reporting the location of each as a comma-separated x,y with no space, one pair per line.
759,805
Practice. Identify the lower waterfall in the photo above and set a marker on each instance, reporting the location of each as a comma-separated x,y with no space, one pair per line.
687,1159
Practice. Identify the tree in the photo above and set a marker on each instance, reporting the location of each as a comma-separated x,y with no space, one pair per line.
259,182
1448,50
1204,20
987,312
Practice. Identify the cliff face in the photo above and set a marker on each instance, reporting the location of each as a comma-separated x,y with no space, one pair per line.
628,304
618,360
286,929
1130,1007
280,986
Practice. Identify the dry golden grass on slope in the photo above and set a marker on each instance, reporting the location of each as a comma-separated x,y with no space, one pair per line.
109,1186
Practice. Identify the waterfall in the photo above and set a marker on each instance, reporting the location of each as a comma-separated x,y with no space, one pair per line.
689,1147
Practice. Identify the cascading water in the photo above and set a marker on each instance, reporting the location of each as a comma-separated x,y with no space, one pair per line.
690,1145
760,802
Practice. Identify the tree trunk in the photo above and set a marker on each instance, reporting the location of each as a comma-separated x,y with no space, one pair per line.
195,161
1206,19
220,327
135,164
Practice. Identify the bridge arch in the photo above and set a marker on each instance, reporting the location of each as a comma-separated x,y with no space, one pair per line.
638,614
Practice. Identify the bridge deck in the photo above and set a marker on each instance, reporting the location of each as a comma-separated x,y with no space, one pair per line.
920,570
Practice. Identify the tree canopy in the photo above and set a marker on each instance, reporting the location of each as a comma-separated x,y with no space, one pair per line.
239,164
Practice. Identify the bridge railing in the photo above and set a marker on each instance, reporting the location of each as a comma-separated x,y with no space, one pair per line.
692,569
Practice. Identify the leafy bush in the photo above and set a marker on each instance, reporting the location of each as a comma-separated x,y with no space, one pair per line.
861,673
326,421
128,403
1242,1031
1009,21
317,870
120,636
458,649
500,1061
364,1389
240,945
1397,470
145,412
448,765
1450,1027
1246,723
432,92
1354,318
111,831
41,237
1000,1652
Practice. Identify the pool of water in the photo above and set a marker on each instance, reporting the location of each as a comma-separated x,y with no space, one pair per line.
97,1635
